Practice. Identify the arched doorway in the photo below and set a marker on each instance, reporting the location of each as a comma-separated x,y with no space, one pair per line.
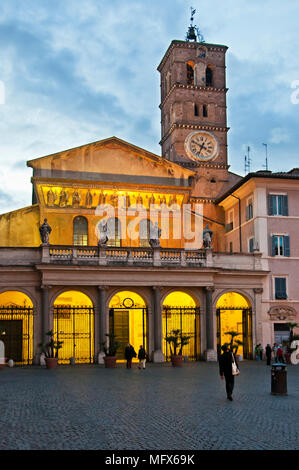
234,314
180,312
16,326
73,323
128,320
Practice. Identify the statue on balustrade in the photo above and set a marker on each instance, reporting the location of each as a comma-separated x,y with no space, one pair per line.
155,235
45,231
103,233
207,236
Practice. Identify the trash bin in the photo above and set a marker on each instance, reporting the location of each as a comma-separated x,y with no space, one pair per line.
278,379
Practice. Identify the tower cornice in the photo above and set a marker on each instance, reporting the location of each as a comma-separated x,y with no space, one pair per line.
192,87
189,45
192,126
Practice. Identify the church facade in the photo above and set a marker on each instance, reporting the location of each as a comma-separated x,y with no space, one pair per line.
119,240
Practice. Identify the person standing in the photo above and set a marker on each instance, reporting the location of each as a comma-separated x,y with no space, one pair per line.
141,357
280,354
225,370
268,354
129,354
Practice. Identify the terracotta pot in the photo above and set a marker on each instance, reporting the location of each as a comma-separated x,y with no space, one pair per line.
110,361
176,360
51,362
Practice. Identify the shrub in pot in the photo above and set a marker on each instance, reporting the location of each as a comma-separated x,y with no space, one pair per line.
50,350
110,351
177,341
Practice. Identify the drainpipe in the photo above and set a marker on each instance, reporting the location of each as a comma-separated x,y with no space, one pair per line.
240,230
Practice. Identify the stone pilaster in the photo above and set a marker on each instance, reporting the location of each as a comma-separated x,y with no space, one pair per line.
158,355
102,323
210,353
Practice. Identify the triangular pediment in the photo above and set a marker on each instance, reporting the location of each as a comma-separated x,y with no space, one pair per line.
106,159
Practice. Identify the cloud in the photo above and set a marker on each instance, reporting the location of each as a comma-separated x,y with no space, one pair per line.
76,72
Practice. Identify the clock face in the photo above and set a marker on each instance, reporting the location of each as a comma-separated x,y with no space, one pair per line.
201,145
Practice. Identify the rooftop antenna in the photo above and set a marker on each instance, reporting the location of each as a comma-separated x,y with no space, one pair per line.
266,149
247,161
193,33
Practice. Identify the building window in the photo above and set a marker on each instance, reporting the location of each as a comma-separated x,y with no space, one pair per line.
278,204
196,113
209,76
190,73
280,245
280,288
249,210
230,222
205,110
113,232
251,245
144,233
230,247
80,231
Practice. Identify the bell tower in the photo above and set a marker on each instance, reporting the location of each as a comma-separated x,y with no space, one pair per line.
193,109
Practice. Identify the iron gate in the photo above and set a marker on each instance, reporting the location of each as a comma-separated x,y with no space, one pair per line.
16,332
246,330
119,326
186,319
75,327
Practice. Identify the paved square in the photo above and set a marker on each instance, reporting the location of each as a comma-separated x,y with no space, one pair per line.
160,408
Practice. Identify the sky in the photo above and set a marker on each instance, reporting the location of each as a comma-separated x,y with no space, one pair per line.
78,71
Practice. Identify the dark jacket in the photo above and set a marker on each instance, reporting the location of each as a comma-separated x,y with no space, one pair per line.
129,352
225,363
268,351
141,354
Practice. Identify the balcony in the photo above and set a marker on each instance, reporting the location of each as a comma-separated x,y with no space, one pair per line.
128,256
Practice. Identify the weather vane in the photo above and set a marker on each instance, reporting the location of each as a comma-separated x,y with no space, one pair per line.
193,33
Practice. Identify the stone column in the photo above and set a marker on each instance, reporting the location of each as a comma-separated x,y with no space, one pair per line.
210,353
102,297
158,355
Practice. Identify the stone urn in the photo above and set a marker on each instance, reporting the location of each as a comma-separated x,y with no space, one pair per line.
177,360
110,362
51,362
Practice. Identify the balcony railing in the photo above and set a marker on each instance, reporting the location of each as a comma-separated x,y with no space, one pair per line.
126,255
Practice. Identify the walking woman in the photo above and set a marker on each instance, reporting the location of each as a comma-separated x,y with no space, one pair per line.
225,369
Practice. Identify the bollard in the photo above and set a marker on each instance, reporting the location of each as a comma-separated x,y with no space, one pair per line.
278,379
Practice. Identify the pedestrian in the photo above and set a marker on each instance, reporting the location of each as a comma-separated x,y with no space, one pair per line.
129,354
257,352
268,354
261,352
225,370
280,354
275,352
141,357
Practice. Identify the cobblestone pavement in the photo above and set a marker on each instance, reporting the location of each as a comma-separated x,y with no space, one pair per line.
160,408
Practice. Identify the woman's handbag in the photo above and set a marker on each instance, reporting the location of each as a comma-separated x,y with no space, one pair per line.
235,370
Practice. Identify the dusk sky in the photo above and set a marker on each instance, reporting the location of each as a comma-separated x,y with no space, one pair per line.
78,71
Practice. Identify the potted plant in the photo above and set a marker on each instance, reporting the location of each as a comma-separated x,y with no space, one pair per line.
234,343
50,350
110,351
177,341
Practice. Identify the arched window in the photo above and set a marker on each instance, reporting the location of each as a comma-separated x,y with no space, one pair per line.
144,233
209,76
113,232
205,110
80,231
196,113
190,73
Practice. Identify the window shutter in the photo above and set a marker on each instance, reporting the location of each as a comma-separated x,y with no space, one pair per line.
286,245
272,245
270,204
247,212
285,205
280,288
251,245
